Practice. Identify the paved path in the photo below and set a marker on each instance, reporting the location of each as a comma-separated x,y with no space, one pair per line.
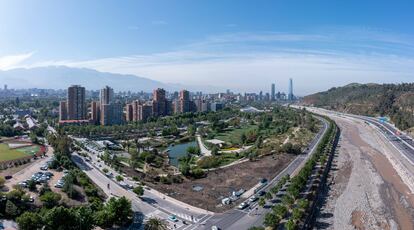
203,149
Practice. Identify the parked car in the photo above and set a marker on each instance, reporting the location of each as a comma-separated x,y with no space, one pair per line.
243,205
262,193
8,177
253,198
44,167
173,218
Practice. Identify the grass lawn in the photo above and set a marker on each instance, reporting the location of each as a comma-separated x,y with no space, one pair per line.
10,154
30,150
233,136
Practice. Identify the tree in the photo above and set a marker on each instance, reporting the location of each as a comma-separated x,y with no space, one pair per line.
243,138
303,204
29,221
271,220
280,210
119,178
50,199
215,150
60,218
119,210
85,217
290,225
2,181
31,185
155,223
139,191
288,200
11,209
194,150
262,202
268,196
296,214
259,141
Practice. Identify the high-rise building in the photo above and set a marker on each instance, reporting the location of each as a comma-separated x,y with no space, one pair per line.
184,102
95,112
111,113
106,95
5,87
76,107
273,92
129,112
144,112
290,94
63,111
159,103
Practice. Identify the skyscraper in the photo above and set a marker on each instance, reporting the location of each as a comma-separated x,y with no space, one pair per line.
111,113
76,107
184,102
95,111
290,95
106,95
63,111
159,103
273,92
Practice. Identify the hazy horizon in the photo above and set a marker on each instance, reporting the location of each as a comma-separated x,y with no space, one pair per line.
239,48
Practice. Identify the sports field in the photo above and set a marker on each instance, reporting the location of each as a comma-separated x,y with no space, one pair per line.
7,154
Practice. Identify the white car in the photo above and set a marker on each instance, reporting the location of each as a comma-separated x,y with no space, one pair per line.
242,205
253,198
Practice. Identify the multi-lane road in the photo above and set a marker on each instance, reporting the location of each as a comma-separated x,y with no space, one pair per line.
254,215
156,204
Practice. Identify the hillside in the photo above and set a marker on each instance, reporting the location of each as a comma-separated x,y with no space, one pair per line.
393,100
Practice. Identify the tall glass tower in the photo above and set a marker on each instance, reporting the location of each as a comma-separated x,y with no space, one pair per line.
290,95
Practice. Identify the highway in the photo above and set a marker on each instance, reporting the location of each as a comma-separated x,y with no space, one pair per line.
156,204
243,219
401,141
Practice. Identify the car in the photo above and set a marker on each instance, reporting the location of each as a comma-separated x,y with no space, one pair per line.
44,168
109,174
59,184
214,227
23,184
253,198
49,174
262,193
173,218
8,177
263,181
243,205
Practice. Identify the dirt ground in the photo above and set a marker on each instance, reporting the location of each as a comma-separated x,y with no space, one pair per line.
220,183
366,191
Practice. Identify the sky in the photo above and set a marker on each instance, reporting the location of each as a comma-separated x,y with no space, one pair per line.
237,44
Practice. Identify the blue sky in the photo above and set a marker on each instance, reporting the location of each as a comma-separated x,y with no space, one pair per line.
244,45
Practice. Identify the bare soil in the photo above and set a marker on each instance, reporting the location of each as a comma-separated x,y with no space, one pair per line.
220,183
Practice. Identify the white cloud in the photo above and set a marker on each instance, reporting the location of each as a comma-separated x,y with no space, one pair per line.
250,62
12,61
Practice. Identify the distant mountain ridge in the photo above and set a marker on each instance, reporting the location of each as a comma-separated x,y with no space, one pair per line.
60,77
393,100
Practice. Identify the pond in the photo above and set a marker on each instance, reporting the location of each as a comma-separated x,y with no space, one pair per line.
179,150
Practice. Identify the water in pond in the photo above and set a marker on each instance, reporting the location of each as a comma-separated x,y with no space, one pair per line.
178,151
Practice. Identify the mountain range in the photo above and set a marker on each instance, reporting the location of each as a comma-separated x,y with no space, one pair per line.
60,77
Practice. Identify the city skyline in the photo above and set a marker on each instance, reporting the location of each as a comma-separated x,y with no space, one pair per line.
273,43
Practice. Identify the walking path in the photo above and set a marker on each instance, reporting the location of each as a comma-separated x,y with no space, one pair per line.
203,149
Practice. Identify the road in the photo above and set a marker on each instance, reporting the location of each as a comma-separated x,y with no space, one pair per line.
243,219
372,185
152,203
